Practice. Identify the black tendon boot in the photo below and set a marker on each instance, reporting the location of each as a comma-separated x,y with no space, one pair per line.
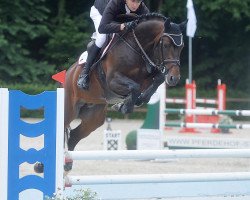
83,80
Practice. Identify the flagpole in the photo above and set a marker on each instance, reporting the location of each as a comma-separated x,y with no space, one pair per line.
191,28
190,60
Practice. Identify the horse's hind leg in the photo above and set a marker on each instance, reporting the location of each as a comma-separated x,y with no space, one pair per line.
70,114
92,117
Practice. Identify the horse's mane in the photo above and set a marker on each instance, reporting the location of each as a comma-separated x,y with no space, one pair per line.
151,16
140,18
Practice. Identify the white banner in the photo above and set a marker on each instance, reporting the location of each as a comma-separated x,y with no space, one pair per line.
191,25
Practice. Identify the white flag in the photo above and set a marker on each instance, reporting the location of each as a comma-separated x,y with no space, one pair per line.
191,25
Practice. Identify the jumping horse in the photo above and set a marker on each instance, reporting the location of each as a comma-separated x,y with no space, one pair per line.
128,75
137,62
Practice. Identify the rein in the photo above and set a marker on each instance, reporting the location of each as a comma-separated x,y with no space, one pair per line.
146,57
161,67
150,64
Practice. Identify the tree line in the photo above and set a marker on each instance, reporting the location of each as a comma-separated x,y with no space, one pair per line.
41,37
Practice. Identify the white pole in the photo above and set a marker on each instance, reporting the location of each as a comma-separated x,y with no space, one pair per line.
191,28
190,60
158,154
59,140
162,91
4,116
157,178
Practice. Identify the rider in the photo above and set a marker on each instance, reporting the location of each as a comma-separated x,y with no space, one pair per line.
107,24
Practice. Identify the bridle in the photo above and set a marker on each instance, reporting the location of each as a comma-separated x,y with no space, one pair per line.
167,61
162,65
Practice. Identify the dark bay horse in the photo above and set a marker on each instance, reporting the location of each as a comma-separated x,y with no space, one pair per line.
127,75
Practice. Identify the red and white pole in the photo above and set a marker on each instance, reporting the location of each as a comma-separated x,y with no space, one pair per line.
221,95
221,101
190,104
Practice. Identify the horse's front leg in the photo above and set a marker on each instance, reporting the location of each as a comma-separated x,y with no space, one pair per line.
125,86
146,95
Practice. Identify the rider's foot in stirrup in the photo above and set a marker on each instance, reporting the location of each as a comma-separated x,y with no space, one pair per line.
83,82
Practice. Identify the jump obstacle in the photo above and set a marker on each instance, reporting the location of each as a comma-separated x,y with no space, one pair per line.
114,186
156,122
191,101
159,108
13,155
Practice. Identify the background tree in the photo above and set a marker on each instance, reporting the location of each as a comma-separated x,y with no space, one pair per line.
221,45
21,23
71,27
40,37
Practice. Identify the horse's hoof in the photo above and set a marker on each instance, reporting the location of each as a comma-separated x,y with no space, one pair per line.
117,107
139,104
39,168
68,166
127,109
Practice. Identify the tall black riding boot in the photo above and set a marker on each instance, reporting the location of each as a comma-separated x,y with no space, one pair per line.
83,80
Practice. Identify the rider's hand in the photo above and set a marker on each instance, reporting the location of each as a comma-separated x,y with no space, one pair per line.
122,27
130,25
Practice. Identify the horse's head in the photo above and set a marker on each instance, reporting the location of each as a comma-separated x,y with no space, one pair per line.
162,41
168,50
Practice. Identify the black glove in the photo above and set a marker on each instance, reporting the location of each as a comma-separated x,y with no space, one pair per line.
130,25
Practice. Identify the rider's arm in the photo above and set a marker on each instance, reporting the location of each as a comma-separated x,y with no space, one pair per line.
108,24
113,9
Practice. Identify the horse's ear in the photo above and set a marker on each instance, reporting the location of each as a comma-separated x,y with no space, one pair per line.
183,25
167,24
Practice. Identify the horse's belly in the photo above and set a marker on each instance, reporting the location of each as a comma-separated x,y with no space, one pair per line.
115,100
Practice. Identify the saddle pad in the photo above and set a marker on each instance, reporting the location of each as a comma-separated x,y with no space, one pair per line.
82,59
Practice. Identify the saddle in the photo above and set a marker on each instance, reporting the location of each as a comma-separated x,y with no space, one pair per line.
82,59
107,45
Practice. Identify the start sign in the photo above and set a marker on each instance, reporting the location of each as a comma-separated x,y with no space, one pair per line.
112,140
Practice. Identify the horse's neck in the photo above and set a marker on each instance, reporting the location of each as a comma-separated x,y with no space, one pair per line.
148,32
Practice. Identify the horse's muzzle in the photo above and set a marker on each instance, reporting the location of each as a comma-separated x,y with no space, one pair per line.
173,76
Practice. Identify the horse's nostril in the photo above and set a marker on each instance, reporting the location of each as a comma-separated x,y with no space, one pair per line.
174,79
